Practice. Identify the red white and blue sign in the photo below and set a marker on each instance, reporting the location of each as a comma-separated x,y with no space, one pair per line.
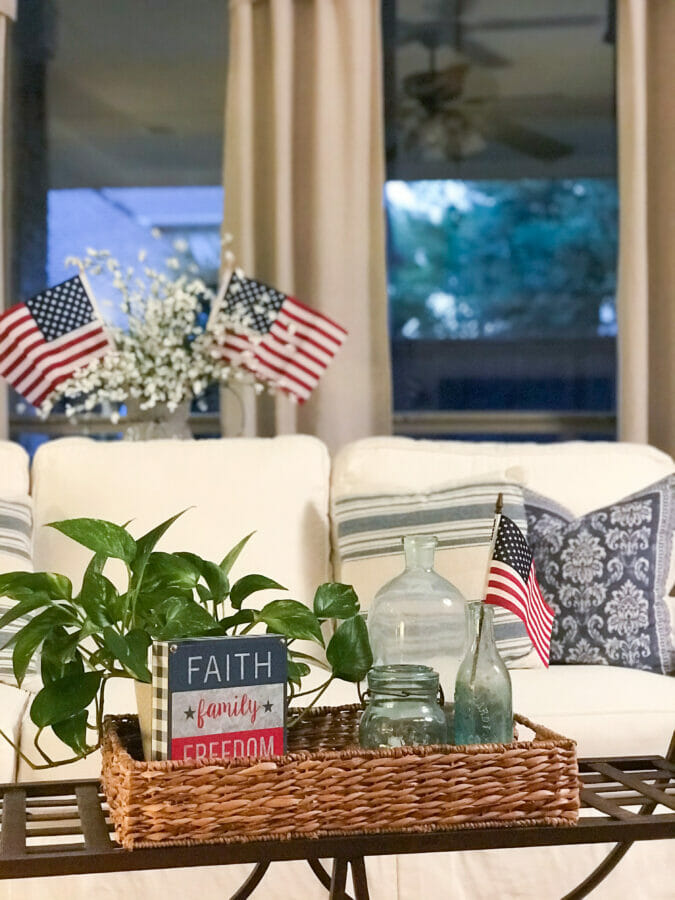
219,697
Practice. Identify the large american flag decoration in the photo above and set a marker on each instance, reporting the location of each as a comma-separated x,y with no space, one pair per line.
280,340
46,339
512,583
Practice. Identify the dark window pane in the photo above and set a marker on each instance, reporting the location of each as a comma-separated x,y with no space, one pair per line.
502,215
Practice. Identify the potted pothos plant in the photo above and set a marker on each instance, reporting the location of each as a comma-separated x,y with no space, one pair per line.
84,639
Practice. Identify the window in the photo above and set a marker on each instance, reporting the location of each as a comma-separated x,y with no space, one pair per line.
502,217
117,130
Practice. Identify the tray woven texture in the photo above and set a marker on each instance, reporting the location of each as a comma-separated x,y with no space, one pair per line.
332,786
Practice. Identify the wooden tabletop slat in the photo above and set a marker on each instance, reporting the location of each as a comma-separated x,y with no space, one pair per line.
92,817
13,834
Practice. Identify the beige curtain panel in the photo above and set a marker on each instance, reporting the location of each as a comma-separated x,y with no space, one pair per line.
7,13
304,174
646,295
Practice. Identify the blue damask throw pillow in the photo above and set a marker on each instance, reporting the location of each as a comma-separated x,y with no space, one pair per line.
604,574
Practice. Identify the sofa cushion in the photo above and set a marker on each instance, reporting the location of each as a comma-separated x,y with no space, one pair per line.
582,475
604,574
277,488
14,472
607,710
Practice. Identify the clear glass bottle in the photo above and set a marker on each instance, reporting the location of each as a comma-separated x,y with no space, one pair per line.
403,708
418,618
483,703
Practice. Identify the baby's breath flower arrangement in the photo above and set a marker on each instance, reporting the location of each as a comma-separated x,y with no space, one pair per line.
167,352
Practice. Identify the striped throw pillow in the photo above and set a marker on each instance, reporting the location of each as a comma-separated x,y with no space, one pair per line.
16,526
368,551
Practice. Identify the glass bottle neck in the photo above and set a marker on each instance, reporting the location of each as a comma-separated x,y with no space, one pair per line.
481,635
419,551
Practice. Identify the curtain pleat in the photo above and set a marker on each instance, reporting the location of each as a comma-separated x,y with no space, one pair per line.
7,13
646,292
304,171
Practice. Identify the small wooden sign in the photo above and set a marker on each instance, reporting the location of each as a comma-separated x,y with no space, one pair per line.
218,697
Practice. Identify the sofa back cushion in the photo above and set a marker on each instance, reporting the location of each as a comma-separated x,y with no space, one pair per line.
580,475
275,487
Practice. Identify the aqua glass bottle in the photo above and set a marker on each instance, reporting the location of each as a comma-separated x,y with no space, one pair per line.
483,704
417,618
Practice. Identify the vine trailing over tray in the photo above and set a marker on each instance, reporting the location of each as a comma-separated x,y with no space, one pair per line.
85,639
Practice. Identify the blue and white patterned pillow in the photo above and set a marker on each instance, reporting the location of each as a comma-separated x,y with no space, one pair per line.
605,574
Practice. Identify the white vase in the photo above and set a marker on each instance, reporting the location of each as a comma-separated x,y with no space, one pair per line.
158,423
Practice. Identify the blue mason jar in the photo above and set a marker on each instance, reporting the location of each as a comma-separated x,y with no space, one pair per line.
403,708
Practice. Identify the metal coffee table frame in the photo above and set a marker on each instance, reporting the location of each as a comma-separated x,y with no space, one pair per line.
621,796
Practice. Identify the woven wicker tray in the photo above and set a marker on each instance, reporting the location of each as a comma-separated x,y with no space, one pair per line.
332,786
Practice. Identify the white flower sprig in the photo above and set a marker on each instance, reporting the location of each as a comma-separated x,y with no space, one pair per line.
166,354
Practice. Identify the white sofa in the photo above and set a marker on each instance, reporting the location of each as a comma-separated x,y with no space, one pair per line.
281,489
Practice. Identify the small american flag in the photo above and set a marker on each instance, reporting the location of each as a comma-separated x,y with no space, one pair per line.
49,337
512,583
277,338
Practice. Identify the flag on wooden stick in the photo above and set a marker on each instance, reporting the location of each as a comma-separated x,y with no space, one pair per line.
512,583
46,339
280,340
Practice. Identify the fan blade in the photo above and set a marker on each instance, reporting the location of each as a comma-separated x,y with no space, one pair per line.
526,140
497,24
555,105
482,55
428,33
432,89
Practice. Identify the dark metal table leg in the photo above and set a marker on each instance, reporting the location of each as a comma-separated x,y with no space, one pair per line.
617,853
600,872
251,882
323,875
320,872
339,880
359,878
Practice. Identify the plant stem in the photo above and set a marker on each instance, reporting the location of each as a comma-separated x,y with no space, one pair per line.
313,703
317,662
36,766
311,690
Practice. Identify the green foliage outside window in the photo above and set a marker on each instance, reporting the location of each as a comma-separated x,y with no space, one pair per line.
503,258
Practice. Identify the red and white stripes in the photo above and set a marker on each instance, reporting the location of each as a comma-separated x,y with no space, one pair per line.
293,354
506,588
35,366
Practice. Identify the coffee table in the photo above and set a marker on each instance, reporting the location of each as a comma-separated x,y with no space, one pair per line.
620,799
